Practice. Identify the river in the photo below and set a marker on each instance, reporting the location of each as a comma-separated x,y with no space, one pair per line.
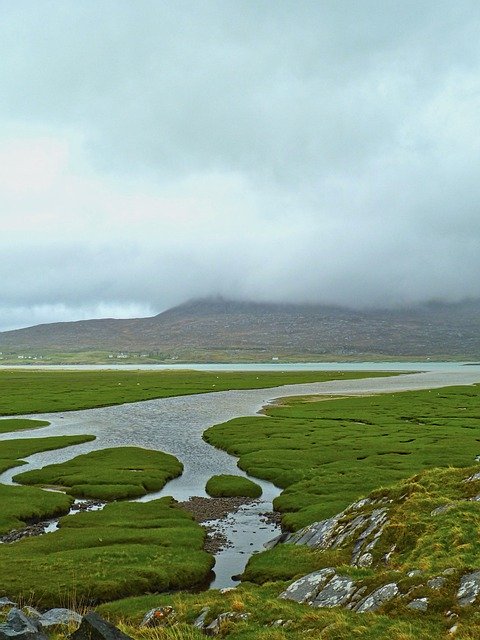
175,425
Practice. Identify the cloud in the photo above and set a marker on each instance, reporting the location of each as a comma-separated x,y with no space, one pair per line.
287,151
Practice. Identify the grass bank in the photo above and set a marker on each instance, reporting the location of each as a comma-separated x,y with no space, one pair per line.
50,391
127,549
108,474
8,425
327,453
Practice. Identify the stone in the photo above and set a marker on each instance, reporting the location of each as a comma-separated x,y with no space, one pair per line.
199,622
419,604
469,588
32,613
306,589
215,627
414,573
453,629
19,627
6,602
365,560
59,616
336,592
474,478
378,598
443,508
158,617
94,627
436,583
449,572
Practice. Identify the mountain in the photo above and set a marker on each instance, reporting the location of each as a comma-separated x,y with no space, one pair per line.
224,329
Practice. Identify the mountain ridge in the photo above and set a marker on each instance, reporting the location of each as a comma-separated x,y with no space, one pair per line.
206,326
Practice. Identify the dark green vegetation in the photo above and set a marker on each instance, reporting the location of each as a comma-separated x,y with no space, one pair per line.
50,391
19,424
23,504
108,474
231,486
127,549
327,453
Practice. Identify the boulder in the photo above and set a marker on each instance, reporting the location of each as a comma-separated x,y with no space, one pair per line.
199,622
59,616
436,583
19,627
469,588
337,592
307,588
94,627
377,598
215,627
419,604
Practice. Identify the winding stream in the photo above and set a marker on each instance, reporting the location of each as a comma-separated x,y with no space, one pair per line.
175,425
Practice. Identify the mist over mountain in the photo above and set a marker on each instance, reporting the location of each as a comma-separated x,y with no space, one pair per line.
216,328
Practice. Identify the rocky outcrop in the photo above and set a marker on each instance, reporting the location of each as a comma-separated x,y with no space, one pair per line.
19,627
361,525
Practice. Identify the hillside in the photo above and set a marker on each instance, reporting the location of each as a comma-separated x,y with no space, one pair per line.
217,329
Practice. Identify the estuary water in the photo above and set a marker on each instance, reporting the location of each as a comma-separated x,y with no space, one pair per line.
175,425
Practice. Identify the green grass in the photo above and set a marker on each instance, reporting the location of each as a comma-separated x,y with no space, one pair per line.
12,451
23,504
127,549
50,391
230,486
8,425
108,474
325,454
264,607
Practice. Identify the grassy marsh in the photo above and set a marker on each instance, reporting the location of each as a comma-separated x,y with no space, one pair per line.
231,486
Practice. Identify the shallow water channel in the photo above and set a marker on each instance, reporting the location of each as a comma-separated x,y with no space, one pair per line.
175,425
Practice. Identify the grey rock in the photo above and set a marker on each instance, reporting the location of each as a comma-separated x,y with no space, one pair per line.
94,627
436,583
59,616
443,508
365,560
158,617
199,622
449,572
476,476
469,588
283,537
19,627
378,598
32,613
414,572
453,629
281,623
336,592
215,627
306,589
6,602
419,604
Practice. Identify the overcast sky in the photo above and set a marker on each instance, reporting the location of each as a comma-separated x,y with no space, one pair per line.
153,151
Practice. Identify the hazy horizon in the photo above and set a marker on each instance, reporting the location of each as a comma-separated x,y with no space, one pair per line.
152,153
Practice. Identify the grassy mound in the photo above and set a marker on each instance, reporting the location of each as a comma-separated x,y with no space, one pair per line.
19,424
108,474
129,548
50,391
327,453
231,486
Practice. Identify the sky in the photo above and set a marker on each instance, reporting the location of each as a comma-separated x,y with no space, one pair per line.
154,151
